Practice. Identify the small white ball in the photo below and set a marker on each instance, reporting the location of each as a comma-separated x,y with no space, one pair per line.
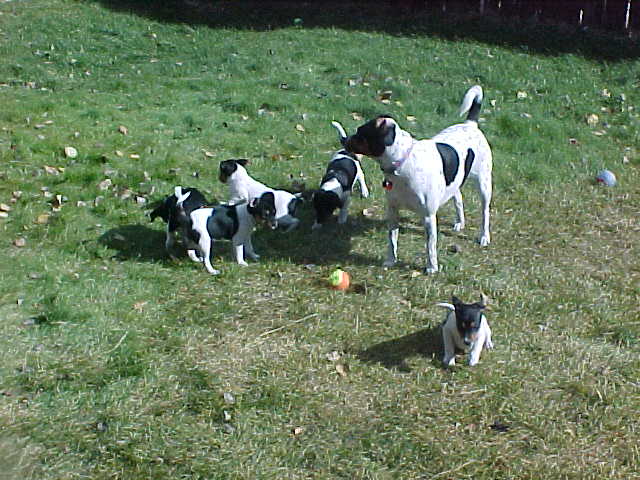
607,178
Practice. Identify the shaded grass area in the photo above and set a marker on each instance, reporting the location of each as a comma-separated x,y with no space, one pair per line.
122,362
458,22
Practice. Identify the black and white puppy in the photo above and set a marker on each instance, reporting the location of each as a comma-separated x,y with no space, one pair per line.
243,188
465,328
230,222
421,175
168,211
343,171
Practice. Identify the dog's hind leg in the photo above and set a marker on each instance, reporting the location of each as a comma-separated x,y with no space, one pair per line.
431,230
205,249
457,200
485,199
483,183
344,210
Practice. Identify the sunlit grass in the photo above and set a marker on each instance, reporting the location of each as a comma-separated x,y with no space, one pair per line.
120,362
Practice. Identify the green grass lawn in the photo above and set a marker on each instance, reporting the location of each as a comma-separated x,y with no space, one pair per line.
119,362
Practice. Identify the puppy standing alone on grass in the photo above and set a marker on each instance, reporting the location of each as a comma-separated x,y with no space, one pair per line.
342,173
243,188
230,222
465,327
422,175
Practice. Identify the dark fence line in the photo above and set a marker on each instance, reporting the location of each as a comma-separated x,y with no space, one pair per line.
619,15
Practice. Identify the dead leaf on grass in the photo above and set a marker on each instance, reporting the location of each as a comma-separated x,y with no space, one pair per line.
139,306
105,184
19,242
123,130
53,170
70,152
42,219
300,128
341,369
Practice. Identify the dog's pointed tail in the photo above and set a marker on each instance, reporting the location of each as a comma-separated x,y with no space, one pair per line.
341,132
472,102
446,305
181,199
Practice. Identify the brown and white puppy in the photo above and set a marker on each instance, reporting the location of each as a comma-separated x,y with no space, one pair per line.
422,175
465,328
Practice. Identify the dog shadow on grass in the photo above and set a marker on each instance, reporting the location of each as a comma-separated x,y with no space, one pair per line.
135,242
333,243
394,354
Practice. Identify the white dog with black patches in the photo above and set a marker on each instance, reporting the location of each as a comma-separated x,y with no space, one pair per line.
244,188
231,222
465,328
422,175
342,173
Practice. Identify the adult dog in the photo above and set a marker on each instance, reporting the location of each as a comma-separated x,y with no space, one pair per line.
421,175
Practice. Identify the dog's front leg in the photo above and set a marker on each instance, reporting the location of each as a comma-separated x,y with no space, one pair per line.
193,255
431,231
249,251
457,200
238,249
488,343
364,191
392,250
344,210
476,349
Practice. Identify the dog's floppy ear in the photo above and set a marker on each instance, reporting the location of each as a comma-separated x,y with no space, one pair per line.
242,161
456,301
484,301
388,128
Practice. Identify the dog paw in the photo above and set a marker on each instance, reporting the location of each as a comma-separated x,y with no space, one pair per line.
389,263
364,194
488,345
193,256
255,257
484,240
459,226
430,270
213,271
243,264
451,362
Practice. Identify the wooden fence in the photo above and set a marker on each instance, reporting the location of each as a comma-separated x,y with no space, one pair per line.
619,15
